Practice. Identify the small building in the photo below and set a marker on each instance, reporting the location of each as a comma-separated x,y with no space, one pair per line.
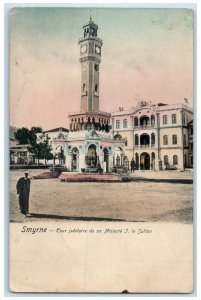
19,154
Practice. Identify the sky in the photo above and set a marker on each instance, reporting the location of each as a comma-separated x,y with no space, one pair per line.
147,54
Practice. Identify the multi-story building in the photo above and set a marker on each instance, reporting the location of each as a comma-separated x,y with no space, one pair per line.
158,136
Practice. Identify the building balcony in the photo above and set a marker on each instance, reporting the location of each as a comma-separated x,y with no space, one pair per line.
148,146
142,127
65,139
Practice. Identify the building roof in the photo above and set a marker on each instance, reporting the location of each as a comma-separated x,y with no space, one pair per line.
57,129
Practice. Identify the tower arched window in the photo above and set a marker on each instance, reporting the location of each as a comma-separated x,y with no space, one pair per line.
165,140
96,88
185,141
185,120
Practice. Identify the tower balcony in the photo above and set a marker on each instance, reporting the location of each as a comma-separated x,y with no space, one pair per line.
90,38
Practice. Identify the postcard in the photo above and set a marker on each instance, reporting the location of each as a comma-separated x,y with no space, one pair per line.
101,150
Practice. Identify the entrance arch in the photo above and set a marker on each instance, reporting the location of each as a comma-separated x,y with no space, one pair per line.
144,161
75,160
91,158
106,159
118,157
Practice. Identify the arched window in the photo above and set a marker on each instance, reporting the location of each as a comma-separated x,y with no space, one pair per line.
96,88
164,119
174,119
175,160
125,123
136,121
152,120
165,160
153,139
174,139
185,142
185,120
165,140
83,87
126,143
117,124
118,137
136,140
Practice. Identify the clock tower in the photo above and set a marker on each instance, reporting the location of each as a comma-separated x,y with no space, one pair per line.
90,58
90,117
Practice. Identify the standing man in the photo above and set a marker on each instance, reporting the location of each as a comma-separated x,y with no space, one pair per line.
132,165
23,189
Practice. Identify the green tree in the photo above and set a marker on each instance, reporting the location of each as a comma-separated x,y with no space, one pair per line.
26,136
39,143
22,135
42,148
33,134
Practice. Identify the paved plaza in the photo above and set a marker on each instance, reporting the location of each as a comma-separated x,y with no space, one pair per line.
140,201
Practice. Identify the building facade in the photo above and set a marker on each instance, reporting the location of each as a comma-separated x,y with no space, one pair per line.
157,135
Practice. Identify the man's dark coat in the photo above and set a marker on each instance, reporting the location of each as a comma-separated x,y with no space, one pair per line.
23,189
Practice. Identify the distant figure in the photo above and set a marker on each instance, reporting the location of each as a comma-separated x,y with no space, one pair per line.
118,160
23,189
99,169
132,165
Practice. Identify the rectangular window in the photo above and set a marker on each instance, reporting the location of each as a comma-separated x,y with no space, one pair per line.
117,124
164,119
175,160
174,139
174,119
165,160
125,123
165,140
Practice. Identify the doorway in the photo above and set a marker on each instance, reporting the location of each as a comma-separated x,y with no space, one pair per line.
144,161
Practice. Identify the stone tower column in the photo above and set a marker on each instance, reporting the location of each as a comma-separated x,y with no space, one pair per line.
90,58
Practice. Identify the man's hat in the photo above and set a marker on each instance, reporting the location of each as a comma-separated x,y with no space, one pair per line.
26,172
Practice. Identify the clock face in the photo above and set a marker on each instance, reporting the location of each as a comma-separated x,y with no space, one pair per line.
83,49
97,49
